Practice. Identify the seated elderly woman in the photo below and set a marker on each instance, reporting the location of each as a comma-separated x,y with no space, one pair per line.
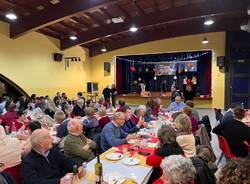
90,123
76,145
45,164
10,154
167,146
188,111
185,137
138,114
235,171
99,104
177,105
121,104
177,170
104,119
149,109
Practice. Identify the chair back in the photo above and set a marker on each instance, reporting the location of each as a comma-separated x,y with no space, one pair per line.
248,146
218,114
224,147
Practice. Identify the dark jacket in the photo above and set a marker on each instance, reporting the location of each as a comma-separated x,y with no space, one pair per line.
37,169
235,132
78,111
203,173
129,127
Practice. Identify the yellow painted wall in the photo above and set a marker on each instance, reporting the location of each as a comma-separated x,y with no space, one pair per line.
185,43
28,62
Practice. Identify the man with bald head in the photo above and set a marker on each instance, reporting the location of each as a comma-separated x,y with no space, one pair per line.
177,105
44,164
76,145
112,134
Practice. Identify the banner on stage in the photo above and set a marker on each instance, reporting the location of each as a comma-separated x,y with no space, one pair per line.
165,69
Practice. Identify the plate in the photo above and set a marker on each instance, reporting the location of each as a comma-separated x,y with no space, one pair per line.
152,145
130,161
114,178
131,141
114,156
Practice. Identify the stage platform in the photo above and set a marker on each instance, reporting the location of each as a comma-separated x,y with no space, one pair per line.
136,99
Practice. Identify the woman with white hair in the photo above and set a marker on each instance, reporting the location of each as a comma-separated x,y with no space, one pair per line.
177,170
138,114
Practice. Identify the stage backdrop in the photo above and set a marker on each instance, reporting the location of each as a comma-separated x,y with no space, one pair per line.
152,69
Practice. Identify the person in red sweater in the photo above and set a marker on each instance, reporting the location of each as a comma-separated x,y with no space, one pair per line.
166,147
138,114
104,119
10,115
177,170
22,121
188,111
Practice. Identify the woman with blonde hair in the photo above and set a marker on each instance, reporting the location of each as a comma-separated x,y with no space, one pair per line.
185,137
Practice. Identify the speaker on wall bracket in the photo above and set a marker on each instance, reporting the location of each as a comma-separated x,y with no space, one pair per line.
57,57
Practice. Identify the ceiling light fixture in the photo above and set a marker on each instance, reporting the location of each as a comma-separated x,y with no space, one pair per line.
205,41
104,49
133,29
209,22
248,10
73,37
11,15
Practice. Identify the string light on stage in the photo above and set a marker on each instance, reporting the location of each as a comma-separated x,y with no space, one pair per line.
155,78
175,77
139,79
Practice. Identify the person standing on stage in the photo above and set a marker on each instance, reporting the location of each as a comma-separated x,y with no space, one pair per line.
188,93
164,87
113,95
194,83
106,93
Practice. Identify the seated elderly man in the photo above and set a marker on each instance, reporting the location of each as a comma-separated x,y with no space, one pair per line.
112,134
76,145
44,164
128,126
177,105
138,114
26,147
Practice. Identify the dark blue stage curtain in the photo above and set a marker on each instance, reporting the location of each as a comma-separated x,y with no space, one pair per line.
125,77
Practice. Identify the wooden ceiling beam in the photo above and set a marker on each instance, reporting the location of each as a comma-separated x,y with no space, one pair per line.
92,18
106,13
139,9
178,30
155,5
122,11
54,14
81,22
209,8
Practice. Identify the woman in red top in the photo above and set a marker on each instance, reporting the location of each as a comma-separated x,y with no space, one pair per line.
10,115
22,121
167,146
104,119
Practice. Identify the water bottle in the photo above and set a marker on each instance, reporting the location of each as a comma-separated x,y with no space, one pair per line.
13,130
87,177
67,179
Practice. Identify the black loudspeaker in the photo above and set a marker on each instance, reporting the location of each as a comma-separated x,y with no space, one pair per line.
89,87
57,57
221,61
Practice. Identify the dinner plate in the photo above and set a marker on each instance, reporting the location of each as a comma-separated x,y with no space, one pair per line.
152,145
114,178
132,141
130,161
114,156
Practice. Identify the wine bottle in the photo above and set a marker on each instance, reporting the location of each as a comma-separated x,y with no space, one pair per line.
75,179
98,171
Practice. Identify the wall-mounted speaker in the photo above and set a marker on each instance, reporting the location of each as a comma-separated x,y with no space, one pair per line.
221,61
57,57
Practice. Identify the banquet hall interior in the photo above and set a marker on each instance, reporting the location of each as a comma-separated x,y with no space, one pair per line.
124,91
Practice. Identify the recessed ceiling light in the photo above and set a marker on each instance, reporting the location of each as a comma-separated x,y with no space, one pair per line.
209,22
55,1
73,37
104,49
248,10
133,29
205,41
11,15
